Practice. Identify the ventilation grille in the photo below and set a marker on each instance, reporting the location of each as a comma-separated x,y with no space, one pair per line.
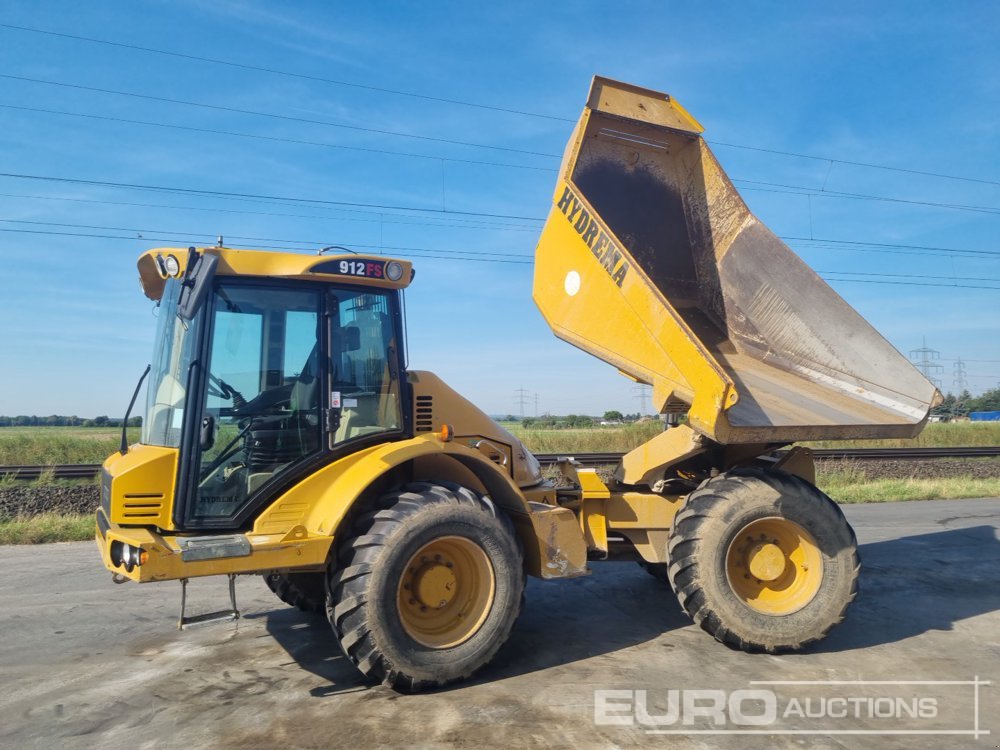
142,505
423,419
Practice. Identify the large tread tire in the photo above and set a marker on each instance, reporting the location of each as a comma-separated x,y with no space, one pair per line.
306,591
363,608
713,517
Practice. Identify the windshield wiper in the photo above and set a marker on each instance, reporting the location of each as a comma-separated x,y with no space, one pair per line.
128,412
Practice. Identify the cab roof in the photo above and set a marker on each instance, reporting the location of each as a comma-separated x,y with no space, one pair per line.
155,267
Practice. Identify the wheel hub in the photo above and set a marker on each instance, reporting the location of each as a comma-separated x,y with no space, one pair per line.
434,584
446,592
766,562
774,566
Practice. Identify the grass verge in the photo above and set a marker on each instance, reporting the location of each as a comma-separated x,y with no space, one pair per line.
852,485
48,527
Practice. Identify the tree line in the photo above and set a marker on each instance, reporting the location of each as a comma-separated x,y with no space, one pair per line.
56,420
965,402
550,422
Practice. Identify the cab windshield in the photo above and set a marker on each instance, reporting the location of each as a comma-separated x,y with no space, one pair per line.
176,343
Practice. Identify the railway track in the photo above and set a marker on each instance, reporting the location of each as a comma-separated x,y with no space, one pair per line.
88,471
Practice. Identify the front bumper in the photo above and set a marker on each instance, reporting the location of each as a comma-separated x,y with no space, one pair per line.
173,557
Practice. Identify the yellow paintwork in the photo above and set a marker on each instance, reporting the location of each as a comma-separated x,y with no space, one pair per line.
472,427
593,522
774,566
651,260
446,592
645,464
264,263
637,103
667,355
295,550
645,519
143,486
296,530
551,540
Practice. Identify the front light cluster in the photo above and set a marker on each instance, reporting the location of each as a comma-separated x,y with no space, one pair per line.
127,556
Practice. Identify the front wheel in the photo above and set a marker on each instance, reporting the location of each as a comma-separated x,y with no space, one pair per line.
427,588
763,560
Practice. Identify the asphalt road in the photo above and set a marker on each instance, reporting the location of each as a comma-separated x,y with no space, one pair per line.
88,664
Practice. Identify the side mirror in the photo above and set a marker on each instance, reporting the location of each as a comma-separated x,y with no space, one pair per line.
206,436
196,284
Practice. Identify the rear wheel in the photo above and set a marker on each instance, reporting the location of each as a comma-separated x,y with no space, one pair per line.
307,591
763,560
427,588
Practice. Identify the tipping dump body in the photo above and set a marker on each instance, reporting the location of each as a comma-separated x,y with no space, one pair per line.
651,261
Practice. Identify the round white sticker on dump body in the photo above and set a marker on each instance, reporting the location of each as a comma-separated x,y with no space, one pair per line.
572,283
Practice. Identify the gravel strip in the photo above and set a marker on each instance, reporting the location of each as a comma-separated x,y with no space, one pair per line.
34,500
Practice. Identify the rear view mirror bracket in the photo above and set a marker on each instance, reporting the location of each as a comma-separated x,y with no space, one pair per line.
197,281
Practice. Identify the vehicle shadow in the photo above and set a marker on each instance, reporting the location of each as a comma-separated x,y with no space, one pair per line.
908,586
618,606
308,640
919,583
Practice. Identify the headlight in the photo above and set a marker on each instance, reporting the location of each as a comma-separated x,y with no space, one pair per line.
394,270
171,265
127,556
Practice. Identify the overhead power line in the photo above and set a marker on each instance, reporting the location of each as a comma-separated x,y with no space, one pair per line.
287,73
216,193
749,184
772,187
851,163
177,241
279,200
212,235
273,138
464,103
376,217
852,244
889,247
275,116
914,276
182,238
287,199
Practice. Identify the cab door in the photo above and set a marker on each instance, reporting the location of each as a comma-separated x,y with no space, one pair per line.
263,398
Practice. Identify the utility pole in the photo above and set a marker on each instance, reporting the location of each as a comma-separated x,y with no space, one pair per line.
521,398
640,392
536,405
924,360
960,381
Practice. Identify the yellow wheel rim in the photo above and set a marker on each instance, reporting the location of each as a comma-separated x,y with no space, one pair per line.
446,592
774,566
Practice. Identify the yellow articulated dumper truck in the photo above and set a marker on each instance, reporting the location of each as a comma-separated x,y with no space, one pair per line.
284,436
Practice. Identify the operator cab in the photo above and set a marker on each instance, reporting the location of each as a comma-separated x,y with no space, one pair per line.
257,379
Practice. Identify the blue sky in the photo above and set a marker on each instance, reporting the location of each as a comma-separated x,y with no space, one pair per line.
909,85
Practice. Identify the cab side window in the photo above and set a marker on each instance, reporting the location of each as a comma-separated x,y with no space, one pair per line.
363,365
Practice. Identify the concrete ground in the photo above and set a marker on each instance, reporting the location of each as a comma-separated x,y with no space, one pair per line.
88,664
